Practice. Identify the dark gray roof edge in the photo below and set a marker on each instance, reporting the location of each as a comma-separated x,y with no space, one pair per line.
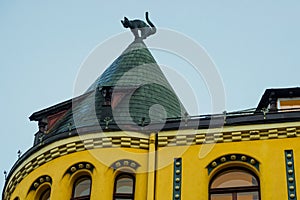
277,93
65,105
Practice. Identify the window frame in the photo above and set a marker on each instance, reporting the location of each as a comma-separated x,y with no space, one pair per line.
124,195
83,178
48,189
234,191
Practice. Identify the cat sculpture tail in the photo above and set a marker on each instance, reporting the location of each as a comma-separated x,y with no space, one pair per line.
153,28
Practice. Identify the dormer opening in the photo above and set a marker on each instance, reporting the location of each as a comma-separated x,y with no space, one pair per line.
106,92
280,100
43,125
288,103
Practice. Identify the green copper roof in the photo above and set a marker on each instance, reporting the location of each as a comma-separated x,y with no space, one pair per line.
132,58
140,94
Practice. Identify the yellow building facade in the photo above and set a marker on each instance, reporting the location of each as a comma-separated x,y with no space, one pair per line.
94,147
266,150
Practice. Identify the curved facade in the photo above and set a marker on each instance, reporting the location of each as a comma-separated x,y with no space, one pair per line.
185,167
82,152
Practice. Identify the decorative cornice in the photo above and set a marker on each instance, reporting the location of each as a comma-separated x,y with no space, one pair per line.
76,145
165,138
178,139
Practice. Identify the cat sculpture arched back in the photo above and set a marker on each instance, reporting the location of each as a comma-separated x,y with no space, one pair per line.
137,26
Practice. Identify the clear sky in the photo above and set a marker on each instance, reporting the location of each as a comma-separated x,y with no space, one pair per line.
254,44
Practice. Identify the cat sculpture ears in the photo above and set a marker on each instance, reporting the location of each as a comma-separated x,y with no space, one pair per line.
125,22
140,29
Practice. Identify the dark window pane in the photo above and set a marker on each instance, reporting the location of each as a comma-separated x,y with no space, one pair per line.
124,185
234,184
82,187
45,195
234,179
247,196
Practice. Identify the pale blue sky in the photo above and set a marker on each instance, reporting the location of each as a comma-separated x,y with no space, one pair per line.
254,44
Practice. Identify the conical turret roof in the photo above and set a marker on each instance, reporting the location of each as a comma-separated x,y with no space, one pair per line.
133,58
132,91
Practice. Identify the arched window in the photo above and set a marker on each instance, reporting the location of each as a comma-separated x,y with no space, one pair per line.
234,184
82,188
124,187
45,195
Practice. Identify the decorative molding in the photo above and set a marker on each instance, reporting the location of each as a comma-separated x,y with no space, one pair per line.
177,178
39,181
80,166
278,131
72,147
177,139
232,158
125,163
290,175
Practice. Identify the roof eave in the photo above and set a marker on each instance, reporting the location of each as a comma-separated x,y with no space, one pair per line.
36,116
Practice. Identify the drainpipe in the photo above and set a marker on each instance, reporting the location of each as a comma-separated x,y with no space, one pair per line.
151,167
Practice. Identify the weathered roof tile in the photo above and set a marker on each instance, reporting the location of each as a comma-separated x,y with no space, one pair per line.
136,75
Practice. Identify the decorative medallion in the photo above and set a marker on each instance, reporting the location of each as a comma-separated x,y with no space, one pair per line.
232,158
125,163
177,178
79,166
290,174
39,181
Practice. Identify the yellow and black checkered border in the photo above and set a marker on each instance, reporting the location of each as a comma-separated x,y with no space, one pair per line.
229,134
71,145
141,141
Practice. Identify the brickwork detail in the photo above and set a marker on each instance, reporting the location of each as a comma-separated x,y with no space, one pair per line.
224,136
